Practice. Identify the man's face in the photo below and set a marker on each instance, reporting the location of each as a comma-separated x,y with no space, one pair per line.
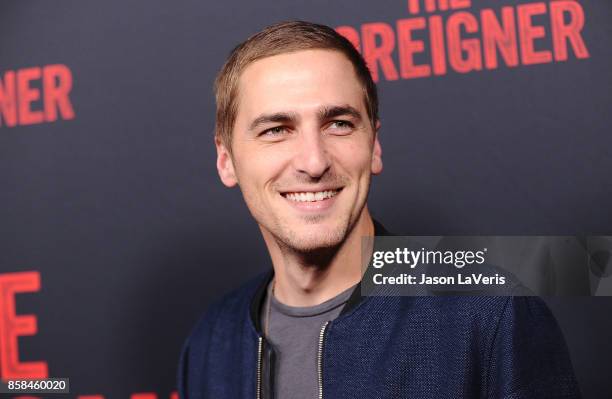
303,148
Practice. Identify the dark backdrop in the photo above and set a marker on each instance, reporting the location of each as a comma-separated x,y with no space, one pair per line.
120,212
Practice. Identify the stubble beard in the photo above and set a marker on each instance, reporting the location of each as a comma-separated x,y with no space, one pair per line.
301,235
313,240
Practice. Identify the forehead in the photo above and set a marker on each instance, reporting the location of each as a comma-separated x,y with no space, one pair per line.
299,82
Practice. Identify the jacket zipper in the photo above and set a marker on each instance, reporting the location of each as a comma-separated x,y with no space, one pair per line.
320,358
259,365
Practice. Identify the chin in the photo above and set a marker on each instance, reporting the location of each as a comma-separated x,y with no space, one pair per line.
310,237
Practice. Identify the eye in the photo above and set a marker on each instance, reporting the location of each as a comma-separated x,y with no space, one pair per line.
274,131
341,127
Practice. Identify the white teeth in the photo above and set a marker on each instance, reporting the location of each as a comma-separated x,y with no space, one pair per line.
310,196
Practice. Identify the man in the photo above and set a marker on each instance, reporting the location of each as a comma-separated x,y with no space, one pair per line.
297,130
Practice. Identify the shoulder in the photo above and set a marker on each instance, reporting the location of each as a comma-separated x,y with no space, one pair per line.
492,309
528,356
521,346
488,322
203,350
506,320
527,317
230,310
484,310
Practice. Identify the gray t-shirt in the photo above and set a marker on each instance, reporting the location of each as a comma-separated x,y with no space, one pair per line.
294,334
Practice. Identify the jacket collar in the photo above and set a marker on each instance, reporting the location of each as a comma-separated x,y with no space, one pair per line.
260,294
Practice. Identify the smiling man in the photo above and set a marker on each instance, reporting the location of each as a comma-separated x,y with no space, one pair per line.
302,151
297,130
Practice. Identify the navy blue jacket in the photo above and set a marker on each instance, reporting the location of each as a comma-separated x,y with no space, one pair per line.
389,347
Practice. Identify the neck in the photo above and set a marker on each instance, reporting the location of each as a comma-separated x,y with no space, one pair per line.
313,278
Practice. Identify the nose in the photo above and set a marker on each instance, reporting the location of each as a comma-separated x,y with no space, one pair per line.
312,157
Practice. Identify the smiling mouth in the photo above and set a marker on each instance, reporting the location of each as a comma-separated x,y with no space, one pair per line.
310,196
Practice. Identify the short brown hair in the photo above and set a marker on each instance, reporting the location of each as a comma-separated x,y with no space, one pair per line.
281,38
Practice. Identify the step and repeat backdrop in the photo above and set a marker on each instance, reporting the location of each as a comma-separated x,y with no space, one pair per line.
115,232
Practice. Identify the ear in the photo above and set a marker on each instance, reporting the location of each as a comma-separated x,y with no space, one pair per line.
225,164
377,164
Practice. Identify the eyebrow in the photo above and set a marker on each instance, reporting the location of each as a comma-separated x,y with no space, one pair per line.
278,117
339,110
325,113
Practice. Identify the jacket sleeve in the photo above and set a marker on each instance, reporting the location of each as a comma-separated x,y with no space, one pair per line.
528,356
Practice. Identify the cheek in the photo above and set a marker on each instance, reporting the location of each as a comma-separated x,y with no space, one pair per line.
355,157
256,169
